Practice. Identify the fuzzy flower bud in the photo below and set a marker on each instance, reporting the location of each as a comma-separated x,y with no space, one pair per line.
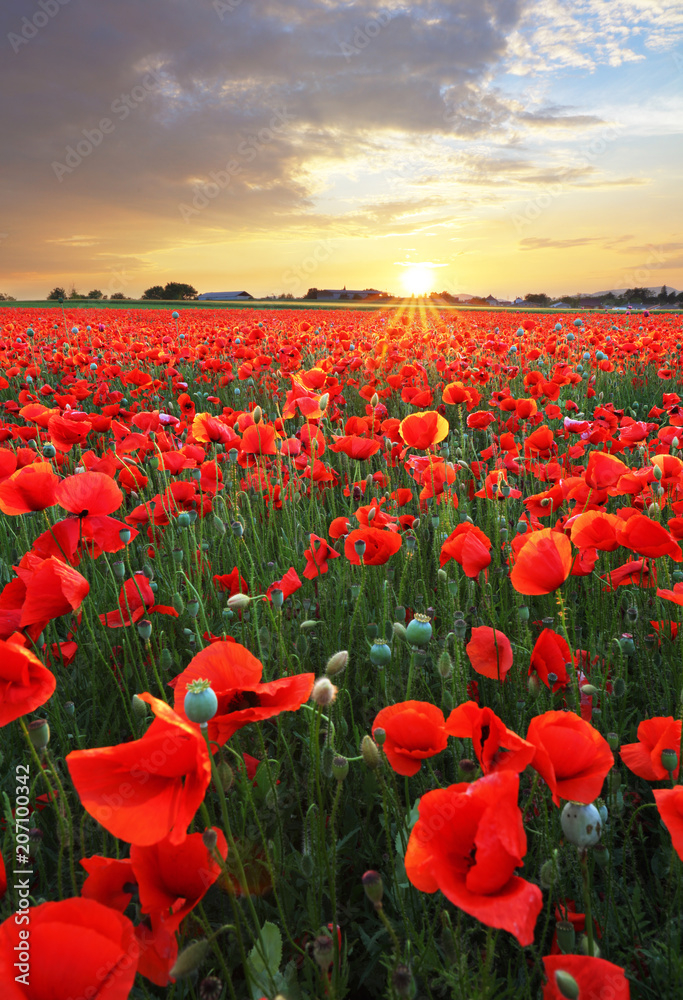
324,692
336,663
370,753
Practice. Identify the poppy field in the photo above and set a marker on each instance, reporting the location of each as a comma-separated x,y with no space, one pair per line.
340,655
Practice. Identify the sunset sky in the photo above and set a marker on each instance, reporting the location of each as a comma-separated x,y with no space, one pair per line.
508,146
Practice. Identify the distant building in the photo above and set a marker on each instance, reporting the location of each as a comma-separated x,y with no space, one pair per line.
225,296
520,302
560,305
491,301
345,294
589,302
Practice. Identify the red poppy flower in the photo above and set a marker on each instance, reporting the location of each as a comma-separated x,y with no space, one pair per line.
136,601
52,589
3,877
635,573
604,470
110,881
357,448
648,538
467,842
317,557
496,747
670,805
148,789
207,429
572,758
380,545
423,430
490,652
89,493
288,584
543,563
675,595
470,548
596,978
644,758
173,878
550,655
25,684
31,488
78,948
338,527
595,529
65,431
414,730
235,676
232,583
259,439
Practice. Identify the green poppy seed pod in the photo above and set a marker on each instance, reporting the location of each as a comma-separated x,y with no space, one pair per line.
445,665
566,936
419,630
380,653
189,960
503,534
340,768
336,663
119,569
210,839
39,733
183,519
201,703
613,741
192,608
370,753
177,555
411,542
669,760
380,736
125,535
49,450
523,613
359,547
374,888
145,629
69,708
567,986
277,597
139,707
521,527
581,824
601,855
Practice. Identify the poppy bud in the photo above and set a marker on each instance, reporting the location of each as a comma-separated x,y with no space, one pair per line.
226,776
375,400
139,707
399,630
189,959
549,872
145,629
581,824
308,625
589,689
178,603
323,951
323,401
257,414
324,692
566,936
210,839
583,946
340,768
374,889
201,703
403,982
657,473
238,602
566,984
619,687
39,733
193,608
445,665
669,760
534,685
613,741
336,663
370,753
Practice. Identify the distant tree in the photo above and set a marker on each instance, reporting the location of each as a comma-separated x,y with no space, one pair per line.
73,294
610,297
96,294
119,296
638,295
537,299
179,290
663,294
4,297
312,293
155,292
56,294
287,296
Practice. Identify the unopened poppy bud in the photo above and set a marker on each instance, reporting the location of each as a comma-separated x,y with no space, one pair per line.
549,872
308,625
257,414
371,513
567,986
380,736
189,959
657,473
589,689
340,768
619,687
399,630
566,936
583,946
613,741
323,401
324,692
370,753
210,839
375,400
226,775
445,665
336,663
403,982
669,760
145,629
139,707
238,602
442,575
533,685
39,733
323,951
374,888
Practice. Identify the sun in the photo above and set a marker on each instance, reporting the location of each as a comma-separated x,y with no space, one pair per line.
417,279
